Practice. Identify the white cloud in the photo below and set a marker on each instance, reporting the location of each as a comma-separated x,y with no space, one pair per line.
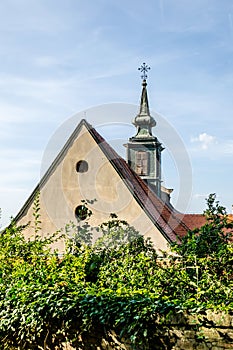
227,148
19,171
200,196
10,113
25,15
189,16
18,163
47,61
213,147
32,87
204,140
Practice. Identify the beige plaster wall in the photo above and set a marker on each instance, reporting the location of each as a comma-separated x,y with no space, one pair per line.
65,188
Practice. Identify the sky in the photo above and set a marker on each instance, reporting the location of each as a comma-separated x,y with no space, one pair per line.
60,59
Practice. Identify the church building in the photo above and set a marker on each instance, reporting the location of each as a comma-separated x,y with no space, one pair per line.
88,168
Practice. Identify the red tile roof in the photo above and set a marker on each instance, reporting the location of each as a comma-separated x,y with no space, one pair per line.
193,221
197,220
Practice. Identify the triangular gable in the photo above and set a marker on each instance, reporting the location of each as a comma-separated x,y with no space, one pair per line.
144,205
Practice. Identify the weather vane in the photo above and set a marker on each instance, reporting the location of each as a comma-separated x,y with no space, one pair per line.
144,69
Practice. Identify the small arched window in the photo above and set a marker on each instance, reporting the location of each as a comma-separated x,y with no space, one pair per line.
82,166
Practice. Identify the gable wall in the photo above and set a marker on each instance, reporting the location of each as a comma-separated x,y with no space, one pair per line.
64,189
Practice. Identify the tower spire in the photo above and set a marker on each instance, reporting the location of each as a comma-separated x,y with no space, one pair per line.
144,149
143,121
144,105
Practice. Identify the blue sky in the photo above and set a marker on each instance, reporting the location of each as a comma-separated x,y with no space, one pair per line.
62,57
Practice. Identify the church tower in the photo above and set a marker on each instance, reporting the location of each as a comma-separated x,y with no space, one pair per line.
144,149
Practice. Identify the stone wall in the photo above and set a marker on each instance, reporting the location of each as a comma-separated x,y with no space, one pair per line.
205,331
208,330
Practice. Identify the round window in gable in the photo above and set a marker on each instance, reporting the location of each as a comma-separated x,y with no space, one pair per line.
82,166
81,212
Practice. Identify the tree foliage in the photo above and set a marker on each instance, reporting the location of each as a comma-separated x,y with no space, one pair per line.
213,237
117,283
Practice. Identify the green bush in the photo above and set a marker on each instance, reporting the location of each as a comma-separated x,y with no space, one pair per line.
117,283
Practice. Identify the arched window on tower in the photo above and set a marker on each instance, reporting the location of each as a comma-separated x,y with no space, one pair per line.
141,163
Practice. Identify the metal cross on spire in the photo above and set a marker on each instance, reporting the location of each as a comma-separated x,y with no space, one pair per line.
144,69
